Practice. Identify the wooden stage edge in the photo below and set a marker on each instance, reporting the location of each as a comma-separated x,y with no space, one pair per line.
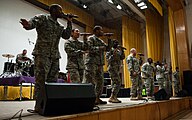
152,110
127,110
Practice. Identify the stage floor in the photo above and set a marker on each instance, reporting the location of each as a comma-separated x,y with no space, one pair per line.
9,108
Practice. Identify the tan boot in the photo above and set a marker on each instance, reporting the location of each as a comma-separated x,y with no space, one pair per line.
118,101
113,99
99,101
139,97
133,98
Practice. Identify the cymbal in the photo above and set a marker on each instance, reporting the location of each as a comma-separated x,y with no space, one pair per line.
8,55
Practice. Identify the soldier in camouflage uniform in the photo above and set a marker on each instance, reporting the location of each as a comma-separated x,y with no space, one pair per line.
176,81
167,81
94,61
46,51
134,69
160,75
114,58
75,50
147,72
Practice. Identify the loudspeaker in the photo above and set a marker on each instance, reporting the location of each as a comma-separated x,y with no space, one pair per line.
67,98
187,76
182,93
188,88
161,95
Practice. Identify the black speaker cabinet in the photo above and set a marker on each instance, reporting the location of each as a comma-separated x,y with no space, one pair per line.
161,95
67,98
187,76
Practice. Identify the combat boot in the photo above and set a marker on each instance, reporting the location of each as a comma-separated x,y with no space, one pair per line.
113,99
139,97
99,101
133,98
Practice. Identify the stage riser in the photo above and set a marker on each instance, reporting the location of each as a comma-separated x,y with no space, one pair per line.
150,111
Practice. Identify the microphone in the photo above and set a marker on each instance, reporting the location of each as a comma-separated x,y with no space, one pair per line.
69,15
108,34
30,42
85,34
140,54
123,48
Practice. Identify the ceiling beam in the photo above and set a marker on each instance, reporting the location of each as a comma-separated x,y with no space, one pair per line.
135,9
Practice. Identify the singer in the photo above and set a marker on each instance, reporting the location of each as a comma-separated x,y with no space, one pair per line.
46,51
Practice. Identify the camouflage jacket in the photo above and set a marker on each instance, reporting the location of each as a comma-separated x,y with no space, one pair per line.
147,70
133,64
74,52
95,55
114,57
49,32
160,72
176,76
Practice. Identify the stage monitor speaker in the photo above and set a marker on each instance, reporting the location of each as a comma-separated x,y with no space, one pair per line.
187,76
161,95
182,93
67,98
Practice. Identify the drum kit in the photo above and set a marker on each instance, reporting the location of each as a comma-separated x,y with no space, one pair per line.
24,67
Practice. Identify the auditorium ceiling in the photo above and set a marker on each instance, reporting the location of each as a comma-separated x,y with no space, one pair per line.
105,11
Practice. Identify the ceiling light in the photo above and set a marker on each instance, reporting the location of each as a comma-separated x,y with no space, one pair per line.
141,4
85,6
110,1
119,7
137,1
143,7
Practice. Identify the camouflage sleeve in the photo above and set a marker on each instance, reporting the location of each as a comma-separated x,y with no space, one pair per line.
85,45
129,62
71,52
175,74
143,68
36,21
109,57
92,47
122,56
67,32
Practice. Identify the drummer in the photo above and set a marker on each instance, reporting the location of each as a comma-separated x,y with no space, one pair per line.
22,58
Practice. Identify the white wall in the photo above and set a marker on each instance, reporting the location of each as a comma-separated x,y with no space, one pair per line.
13,38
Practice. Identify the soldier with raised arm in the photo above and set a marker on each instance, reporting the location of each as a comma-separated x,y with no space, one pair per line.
46,51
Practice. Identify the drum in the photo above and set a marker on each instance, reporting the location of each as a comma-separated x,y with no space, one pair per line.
9,67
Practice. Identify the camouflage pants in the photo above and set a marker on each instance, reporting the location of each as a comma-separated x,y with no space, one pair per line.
137,86
76,75
176,87
161,83
94,74
168,87
116,81
46,70
149,84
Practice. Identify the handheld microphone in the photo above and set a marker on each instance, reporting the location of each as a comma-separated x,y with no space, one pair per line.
108,34
85,34
140,54
69,15
123,48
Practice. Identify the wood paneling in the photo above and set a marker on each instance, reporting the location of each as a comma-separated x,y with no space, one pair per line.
159,110
110,115
174,4
182,42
